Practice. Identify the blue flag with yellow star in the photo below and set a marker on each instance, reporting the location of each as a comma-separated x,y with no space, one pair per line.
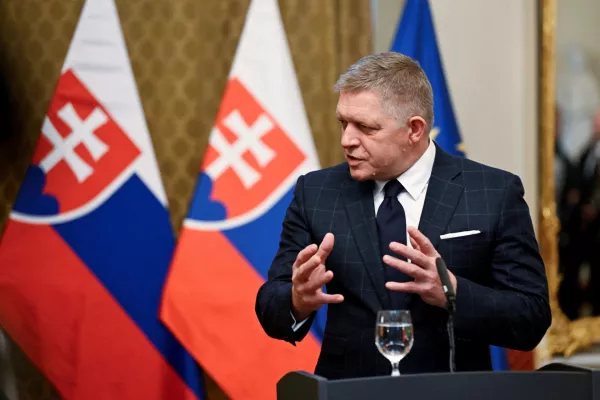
416,38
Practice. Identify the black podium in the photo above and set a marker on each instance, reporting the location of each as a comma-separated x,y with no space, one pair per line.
552,382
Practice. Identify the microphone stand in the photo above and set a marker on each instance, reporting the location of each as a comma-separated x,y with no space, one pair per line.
451,308
442,270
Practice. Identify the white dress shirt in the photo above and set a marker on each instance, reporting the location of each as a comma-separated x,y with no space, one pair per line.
415,181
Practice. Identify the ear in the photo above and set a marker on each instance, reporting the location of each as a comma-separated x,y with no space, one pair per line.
418,129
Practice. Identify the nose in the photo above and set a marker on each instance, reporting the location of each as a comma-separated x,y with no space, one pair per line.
350,137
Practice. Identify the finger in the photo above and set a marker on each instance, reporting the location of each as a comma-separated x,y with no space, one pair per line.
326,247
305,270
414,244
415,256
406,287
324,298
424,243
409,269
305,255
318,279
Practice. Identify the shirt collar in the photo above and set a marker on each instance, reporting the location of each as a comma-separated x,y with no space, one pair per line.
416,177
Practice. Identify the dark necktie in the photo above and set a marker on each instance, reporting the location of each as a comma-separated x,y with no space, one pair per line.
391,222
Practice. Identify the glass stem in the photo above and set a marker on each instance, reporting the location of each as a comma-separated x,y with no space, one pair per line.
395,370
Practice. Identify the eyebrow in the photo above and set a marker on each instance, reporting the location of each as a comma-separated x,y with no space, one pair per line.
355,118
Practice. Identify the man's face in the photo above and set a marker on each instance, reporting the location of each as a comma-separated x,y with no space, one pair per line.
375,144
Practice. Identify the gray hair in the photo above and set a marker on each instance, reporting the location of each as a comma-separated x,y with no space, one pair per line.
399,80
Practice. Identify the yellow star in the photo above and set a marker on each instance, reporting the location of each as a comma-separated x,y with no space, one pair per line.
461,147
434,132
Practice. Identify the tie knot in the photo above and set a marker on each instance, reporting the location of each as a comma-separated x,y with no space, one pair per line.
392,188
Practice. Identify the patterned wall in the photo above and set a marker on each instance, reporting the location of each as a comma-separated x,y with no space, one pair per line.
181,52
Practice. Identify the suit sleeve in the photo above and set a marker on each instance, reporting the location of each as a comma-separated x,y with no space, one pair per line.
514,312
274,298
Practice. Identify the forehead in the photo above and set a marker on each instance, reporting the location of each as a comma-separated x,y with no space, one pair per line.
363,105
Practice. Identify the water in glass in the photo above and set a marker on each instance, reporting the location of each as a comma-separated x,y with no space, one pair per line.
394,336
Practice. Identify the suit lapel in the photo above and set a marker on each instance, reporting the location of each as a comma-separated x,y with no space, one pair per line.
442,196
358,200
441,199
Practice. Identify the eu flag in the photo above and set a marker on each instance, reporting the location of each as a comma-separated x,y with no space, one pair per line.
416,38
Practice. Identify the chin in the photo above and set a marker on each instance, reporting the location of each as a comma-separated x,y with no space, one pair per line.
360,174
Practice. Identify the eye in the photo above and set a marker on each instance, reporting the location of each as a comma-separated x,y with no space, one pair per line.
364,127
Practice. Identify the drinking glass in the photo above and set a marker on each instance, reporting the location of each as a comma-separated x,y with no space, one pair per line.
394,336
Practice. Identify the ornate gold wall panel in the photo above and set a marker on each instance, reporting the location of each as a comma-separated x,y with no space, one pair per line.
181,51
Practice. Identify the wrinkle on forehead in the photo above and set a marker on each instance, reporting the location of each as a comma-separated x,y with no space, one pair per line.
360,107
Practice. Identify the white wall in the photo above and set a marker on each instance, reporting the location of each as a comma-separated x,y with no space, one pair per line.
577,22
578,91
489,51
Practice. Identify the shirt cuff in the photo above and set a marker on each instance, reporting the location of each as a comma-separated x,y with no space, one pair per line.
297,325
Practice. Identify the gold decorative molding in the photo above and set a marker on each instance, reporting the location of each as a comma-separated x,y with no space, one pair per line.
565,337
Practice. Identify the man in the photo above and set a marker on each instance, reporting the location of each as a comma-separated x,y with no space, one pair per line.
351,227
581,232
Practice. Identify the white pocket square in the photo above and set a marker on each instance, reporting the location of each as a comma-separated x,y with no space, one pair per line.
458,234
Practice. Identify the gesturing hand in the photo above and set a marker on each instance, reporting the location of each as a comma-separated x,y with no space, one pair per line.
308,277
422,267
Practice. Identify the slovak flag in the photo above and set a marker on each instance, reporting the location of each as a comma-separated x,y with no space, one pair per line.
87,247
259,145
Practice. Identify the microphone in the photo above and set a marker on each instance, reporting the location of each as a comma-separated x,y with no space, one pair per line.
442,270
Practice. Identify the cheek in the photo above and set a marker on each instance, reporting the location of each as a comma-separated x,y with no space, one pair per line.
384,154
390,154
380,156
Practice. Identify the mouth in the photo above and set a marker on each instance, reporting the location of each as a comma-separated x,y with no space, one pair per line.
353,161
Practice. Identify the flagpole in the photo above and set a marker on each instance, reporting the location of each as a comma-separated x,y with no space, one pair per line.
8,385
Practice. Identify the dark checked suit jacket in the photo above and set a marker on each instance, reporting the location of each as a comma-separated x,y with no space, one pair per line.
502,295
